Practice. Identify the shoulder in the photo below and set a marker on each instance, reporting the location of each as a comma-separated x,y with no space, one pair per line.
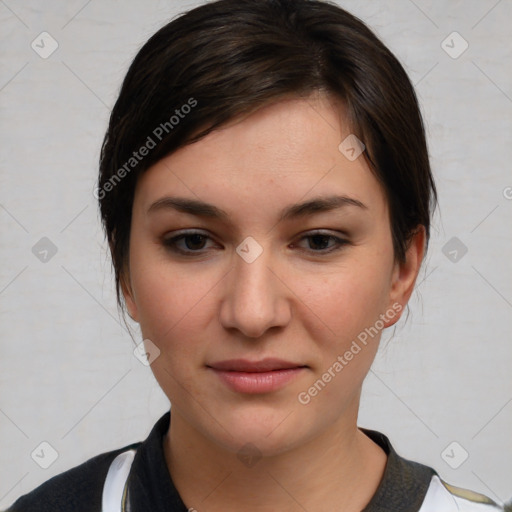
442,496
77,489
410,486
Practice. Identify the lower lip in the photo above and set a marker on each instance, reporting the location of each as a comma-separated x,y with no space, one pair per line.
258,382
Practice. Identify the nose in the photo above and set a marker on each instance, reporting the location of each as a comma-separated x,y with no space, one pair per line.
255,297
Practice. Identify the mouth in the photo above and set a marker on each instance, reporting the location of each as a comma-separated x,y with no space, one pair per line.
254,377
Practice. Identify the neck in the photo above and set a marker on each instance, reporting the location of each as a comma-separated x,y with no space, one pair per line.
340,469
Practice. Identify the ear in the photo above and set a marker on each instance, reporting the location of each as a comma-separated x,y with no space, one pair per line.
405,274
126,287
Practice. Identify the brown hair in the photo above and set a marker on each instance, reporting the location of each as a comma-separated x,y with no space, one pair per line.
230,57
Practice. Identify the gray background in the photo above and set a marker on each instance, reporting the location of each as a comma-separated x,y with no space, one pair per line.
67,371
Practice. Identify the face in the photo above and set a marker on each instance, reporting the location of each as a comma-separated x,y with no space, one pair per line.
252,277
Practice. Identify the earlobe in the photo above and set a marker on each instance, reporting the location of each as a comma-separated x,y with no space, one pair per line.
405,274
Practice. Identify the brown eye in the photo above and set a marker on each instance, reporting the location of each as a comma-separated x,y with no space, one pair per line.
187,243
324,243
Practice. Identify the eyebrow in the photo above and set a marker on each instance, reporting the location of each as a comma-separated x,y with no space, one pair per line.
202,209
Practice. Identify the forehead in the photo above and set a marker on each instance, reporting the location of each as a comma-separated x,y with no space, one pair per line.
282,153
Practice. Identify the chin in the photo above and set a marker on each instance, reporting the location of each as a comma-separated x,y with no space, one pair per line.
267,432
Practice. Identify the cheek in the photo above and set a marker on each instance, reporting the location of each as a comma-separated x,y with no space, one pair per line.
169,304
347,299
169,300
346,305
174,306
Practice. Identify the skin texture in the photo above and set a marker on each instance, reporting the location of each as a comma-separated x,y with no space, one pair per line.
294,302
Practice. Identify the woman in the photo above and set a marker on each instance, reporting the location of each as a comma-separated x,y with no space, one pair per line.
266,193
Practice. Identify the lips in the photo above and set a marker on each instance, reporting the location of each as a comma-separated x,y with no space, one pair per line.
263,365
256,377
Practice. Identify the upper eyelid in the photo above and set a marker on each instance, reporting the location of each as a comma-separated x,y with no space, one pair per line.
311,232
340,238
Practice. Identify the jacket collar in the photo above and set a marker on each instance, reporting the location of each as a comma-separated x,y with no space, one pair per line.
402,489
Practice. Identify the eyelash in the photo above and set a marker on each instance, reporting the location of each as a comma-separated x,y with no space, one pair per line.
170,243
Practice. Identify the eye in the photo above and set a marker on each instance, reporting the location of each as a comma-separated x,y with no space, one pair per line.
193,241
319,242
